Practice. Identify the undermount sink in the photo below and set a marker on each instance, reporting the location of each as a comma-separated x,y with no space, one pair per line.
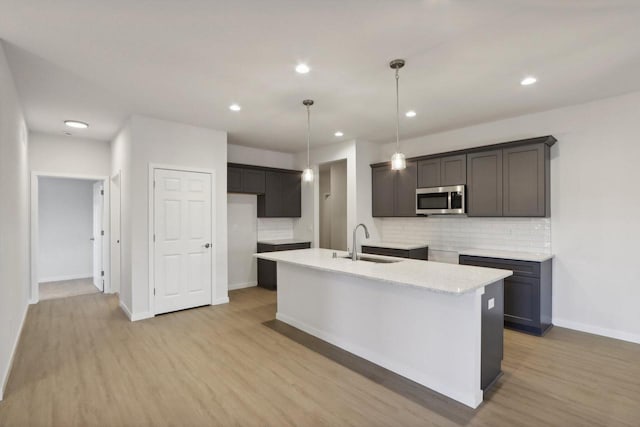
372,259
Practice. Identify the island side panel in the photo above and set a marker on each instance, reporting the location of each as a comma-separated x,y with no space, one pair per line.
492,333
429,337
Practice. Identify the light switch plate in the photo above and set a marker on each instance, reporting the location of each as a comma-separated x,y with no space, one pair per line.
491,303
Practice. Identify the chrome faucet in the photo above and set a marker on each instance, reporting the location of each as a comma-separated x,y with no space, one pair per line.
354,253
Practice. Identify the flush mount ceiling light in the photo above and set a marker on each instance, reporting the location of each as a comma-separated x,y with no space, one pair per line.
235,107
302,68
398,160
338,134
529,80
307,174
410,113
76,124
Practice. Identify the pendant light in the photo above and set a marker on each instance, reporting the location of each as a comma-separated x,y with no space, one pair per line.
307,174
398,160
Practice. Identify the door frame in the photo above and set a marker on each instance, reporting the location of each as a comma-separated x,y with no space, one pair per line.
34,294
151,217
115,246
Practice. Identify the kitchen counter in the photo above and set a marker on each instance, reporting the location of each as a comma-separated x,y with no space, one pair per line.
519,256
395,245
440,325
433,276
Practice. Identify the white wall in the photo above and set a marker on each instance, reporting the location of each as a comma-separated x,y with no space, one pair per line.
594,207
65,215
69,155
259,157
242,211
146,141
14,219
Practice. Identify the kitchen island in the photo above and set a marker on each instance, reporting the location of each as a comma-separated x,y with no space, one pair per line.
437,324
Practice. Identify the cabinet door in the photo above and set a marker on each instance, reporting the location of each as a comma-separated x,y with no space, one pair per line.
453,170
234,180
405,190
524,180
383,191
522,300
429,174
484,183
291,195
270,205
253,181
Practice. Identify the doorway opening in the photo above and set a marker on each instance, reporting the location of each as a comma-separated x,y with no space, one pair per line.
333,205
70,246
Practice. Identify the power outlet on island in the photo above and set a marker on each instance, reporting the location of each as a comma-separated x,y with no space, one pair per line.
491,303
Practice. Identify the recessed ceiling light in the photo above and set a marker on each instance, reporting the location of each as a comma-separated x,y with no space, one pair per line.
410,113
302,68
338,133
235,107
528,81
76,124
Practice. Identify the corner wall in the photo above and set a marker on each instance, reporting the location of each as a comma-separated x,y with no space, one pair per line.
14,220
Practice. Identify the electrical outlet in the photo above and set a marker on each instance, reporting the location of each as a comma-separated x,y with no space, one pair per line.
491,303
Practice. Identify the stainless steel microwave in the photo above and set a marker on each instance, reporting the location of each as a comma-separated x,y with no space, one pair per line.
441,200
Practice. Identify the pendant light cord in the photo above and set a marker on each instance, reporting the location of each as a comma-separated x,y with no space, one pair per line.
397,111
308,133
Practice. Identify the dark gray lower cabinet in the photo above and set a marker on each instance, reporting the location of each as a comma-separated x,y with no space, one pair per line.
416,253
527,294
268,270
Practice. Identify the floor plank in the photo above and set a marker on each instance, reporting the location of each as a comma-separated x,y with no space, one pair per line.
80,362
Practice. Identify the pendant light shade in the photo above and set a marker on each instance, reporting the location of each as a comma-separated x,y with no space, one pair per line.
398,160
307,173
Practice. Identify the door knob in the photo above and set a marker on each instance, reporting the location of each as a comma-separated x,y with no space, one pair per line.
207,245
92,238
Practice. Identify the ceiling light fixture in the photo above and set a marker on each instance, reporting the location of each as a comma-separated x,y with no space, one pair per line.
528,81
302,68
307,174
398,160
76,124
410,113
339,134
235,107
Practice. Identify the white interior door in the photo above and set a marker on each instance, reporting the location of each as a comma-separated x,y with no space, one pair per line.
183,245
98,201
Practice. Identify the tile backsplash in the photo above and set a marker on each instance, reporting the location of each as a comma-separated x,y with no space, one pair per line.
275,228
455,233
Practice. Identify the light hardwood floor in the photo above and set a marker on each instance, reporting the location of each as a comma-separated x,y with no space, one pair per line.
80,362
67,288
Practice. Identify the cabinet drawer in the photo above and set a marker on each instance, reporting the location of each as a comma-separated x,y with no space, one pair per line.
519,268
292,246
373,250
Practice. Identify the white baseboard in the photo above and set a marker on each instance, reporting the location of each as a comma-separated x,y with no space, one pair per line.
66,277
5,379
223,300
135,316
234,286
596,330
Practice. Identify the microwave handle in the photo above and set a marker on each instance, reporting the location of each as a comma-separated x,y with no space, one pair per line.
448,199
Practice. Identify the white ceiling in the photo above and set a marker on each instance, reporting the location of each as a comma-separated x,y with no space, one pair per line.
187,60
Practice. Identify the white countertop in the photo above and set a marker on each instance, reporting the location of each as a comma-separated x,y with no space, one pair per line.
283,241
395,245
430,275
520,256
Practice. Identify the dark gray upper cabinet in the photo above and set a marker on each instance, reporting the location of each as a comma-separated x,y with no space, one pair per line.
383,191
405,189
453,170
253,181
282,196
429,173
394,192
484,183
526,180
234,180
442,171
